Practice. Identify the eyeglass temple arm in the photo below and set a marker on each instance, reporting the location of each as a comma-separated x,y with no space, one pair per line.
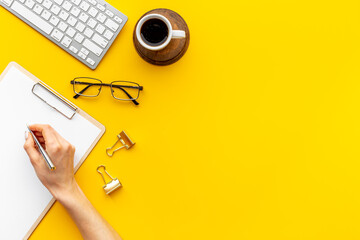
82,91
129,96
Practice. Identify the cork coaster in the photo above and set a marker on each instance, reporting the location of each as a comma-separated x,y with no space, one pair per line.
176,48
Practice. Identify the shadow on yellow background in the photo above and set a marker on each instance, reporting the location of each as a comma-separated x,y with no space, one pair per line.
253,134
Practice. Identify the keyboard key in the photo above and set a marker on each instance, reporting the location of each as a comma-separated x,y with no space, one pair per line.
75,11
84,51
32,17
119,20
93,12
67,6
80,27
101,18
66,41
82,55
108,34
29,3
54,20
57,35
38,9
55,9
63,26
92,47
110,14
92,23
100,28
100,40
59,2
101,7
93,2
84,6
83,17
76,2
72,21
73,49
47,4
63,15
112,25
7,2
89,60
88,32
46,15
79,38
71,32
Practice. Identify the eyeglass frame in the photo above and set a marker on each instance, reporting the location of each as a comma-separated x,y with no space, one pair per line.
111,85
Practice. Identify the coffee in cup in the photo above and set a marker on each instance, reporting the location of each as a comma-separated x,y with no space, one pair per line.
154,32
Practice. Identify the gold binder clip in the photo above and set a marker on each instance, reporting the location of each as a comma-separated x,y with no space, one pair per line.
110,186
125,141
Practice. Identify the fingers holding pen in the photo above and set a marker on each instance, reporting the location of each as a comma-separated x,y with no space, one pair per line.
40,137
49,135
51,140
31,150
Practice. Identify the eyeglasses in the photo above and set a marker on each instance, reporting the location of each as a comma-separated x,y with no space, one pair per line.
120,90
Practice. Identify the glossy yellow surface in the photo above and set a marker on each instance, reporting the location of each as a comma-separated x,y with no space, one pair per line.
253,134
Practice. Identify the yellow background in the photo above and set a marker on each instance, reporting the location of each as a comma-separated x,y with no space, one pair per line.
253,134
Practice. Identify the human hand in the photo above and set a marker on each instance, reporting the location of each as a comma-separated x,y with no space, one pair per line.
61,181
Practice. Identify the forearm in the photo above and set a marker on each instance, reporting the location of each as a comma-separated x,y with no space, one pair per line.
90,223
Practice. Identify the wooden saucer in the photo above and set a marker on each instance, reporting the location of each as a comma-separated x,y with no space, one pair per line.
176,48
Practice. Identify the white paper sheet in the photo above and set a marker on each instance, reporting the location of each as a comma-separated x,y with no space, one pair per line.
22,196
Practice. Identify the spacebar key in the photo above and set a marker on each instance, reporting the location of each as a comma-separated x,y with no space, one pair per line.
93,47
32,17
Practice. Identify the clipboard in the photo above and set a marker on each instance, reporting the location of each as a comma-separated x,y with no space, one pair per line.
66,110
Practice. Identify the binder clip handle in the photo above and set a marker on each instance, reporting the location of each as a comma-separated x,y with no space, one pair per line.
110,186
102,166
125,141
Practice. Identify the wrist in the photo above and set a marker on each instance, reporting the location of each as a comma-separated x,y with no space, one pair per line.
73,198
67,193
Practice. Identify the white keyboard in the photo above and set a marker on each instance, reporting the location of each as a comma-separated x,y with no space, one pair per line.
84,28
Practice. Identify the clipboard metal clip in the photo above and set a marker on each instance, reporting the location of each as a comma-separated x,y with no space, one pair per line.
124,139
50,97
110,186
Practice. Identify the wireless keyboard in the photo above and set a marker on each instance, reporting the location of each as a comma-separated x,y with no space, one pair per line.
84,28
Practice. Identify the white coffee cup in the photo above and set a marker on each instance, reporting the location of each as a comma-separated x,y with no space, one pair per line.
172,34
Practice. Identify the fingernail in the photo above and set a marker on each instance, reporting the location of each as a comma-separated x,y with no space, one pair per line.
26,135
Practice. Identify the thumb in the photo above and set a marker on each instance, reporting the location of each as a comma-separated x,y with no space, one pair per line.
31,150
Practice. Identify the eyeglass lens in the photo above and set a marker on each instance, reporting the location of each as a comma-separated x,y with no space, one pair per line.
125,90
87,87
